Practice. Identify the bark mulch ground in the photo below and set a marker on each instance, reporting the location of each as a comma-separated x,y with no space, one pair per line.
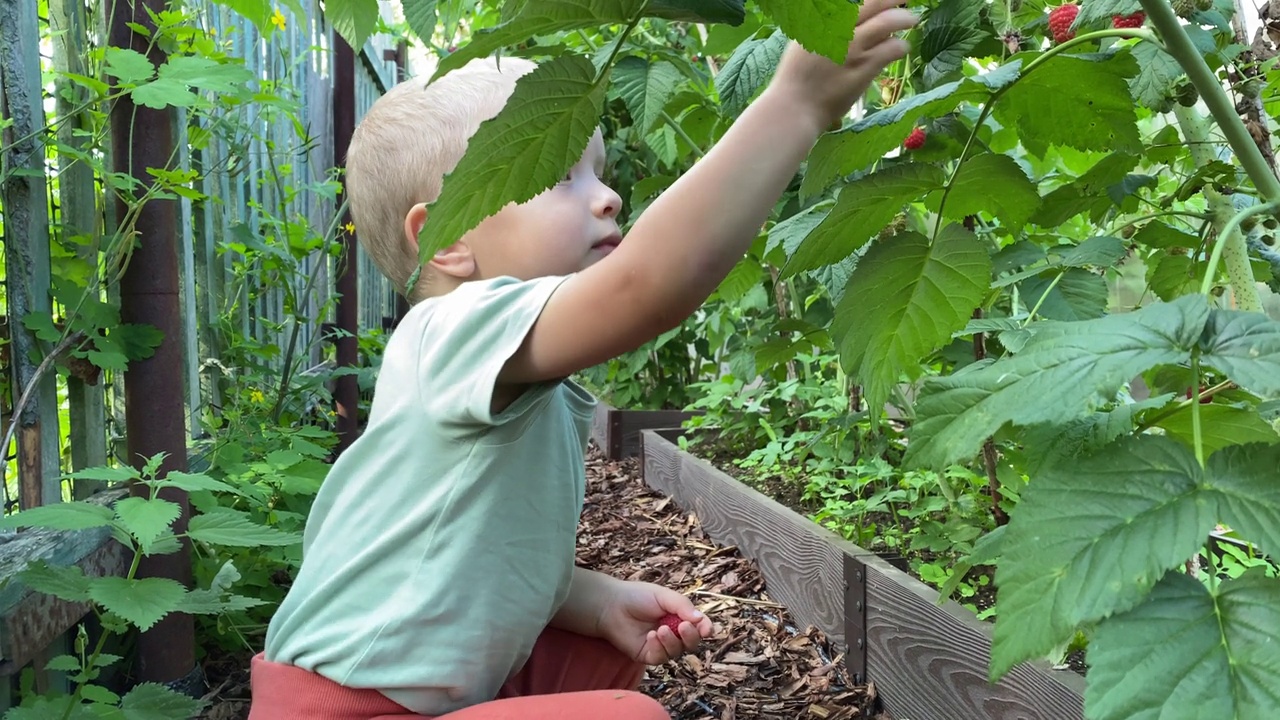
760,666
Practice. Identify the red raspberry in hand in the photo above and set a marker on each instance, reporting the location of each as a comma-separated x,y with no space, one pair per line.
672,622
1060,19
915,140
1128,21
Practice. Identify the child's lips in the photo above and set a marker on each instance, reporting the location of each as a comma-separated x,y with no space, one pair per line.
608,244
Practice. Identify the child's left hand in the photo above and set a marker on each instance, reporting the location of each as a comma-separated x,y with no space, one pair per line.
630,623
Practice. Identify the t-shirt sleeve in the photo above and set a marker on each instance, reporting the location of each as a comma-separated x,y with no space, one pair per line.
468,338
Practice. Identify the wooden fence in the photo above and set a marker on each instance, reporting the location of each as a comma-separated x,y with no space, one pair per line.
47,199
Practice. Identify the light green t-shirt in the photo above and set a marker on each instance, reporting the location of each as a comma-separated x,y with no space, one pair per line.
442,541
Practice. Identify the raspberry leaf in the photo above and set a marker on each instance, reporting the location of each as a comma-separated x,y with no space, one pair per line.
1080,102
824,27
1221,426
1158,71
863,208
645,87
953,31
1245,346
1091,538
1090,193
1189,649
1077,295
523,150
991,183
904,300
730,12
748,70
1244,479
1094,10
1071,368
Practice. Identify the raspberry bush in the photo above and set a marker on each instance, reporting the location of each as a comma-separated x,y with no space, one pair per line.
1088,235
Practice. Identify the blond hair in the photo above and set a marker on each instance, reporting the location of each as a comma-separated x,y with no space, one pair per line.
406,143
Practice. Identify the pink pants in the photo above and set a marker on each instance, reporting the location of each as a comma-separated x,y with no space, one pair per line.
568,677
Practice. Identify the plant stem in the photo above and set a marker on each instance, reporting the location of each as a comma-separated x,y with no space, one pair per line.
1226,236
1197,434
1043,295
1179,45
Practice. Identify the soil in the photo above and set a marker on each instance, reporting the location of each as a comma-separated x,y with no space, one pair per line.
760,665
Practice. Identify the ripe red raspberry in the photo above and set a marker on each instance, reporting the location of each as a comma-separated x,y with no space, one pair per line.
1128,21
915,140
672,622
1060,19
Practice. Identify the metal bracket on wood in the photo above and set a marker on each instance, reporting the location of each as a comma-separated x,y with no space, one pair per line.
855,617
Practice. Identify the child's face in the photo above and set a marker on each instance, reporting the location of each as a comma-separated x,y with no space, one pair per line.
563,230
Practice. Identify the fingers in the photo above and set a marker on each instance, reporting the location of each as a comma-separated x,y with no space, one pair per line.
876,30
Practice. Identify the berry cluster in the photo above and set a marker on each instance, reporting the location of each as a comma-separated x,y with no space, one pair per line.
1128,21
915,140
1060,20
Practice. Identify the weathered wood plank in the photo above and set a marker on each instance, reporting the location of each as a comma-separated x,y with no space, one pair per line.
617,432
29,621
928,661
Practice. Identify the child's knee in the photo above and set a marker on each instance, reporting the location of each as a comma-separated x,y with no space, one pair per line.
634,705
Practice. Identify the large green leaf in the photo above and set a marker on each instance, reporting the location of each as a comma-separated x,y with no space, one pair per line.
791,232
864,207
995,184
151,701
523,150
864,142
234,529
1172,276
1245,346
824,27
540,18
1154,82
1077,295
421,17
729,12
1083,103
1247,481
1052,443
146,519
1090,193
1220,427
63,581
1090,538
353,20
1070,368
904,300
1093,10
1189,653
950,33
128,66
748,70
645,87
142,602
61,516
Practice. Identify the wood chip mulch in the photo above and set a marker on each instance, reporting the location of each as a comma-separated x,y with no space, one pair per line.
760,666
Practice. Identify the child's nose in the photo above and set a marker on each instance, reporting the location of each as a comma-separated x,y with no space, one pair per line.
608,203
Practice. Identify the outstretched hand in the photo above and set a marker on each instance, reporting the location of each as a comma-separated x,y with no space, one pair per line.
631,622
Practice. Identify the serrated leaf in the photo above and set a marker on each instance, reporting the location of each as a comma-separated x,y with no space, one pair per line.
951,32
353,20
1078,295
130,67
1102,251
1093,10
67,582
729,12
1070,368
1244,479
1189,653
421,16
1157,72
748,70
823,27
143,602
61,516
146,519
646,87
540,18
744,276
863,208
1173,276
205,73
208,602
235,529
525,149
791,232
1221,426
1053,443
99,694
904,300
151,701
1090,193
995,184
1076,102
1090,538
1245,346
1159,235
195,482
63,663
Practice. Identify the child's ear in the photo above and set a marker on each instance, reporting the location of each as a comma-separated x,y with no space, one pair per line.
455,260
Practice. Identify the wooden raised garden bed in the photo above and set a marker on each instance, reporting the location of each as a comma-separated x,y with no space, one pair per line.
928,661
617,432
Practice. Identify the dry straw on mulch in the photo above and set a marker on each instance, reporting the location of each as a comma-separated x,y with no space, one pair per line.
759,666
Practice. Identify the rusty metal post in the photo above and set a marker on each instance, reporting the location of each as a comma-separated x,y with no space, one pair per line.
347,393
402,74
26,246
155,421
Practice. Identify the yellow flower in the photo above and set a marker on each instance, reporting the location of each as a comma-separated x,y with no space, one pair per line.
256,395
350,228
277,19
